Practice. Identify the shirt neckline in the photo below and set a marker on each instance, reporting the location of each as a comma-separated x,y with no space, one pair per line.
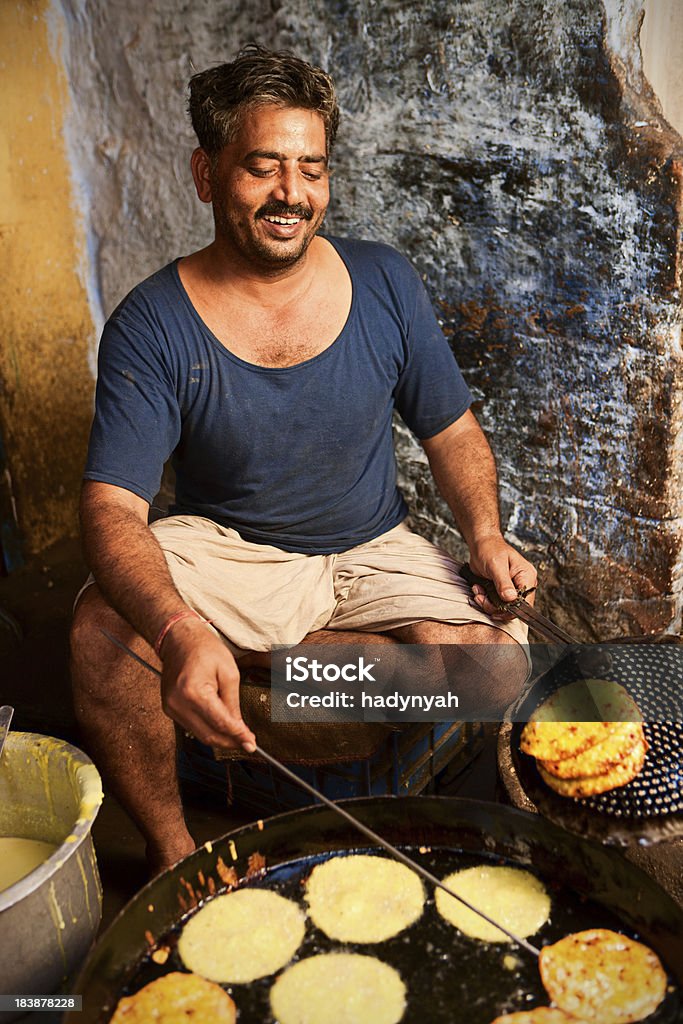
233,357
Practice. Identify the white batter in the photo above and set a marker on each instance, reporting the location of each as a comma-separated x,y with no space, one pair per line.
19,857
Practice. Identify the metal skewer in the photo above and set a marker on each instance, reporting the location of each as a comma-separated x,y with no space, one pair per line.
393,850
370,833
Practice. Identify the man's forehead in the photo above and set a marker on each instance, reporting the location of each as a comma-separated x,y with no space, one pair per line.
271,128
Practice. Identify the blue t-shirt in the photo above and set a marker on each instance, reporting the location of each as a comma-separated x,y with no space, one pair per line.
301,456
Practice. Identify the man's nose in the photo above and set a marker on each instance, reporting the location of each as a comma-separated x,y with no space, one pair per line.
288,186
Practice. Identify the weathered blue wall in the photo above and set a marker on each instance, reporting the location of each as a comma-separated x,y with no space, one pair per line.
516,154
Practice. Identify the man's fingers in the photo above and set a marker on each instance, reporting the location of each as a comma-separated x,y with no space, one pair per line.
200,691
526,578
210,731
204,714
509,572
228,693
502,581
484,605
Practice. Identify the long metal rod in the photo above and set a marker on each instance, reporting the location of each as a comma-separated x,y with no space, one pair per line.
540,623
370,833
393,850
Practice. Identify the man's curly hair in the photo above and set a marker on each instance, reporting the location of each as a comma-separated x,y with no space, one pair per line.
221,95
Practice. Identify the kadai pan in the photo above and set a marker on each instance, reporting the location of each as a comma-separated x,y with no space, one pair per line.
449,977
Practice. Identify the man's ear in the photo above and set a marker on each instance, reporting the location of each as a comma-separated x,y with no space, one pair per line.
200,162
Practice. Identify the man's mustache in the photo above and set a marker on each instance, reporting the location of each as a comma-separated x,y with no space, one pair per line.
273,209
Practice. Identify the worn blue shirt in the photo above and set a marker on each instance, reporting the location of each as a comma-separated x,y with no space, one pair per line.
300,457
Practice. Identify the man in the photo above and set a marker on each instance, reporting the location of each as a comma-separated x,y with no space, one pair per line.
269,364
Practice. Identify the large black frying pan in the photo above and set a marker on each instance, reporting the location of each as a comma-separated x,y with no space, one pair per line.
449,977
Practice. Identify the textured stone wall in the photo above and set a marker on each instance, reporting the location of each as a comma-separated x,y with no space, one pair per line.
517,155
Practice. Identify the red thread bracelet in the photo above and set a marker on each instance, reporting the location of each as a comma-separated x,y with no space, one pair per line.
186,613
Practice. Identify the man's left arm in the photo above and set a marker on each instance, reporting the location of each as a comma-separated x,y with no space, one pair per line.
464,469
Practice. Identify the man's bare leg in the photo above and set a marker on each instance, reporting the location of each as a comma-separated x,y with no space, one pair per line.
261,659
130,738
493,682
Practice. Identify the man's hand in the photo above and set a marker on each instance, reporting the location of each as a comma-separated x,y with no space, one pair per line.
200,687
497,560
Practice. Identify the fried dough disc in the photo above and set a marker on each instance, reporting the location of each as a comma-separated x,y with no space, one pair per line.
539,1015
555,741
599,758
602,976
562,726
578,701
515,898
175,999
363,899
242,936
338,988
616,776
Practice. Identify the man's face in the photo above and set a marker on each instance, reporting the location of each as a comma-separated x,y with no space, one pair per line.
270,186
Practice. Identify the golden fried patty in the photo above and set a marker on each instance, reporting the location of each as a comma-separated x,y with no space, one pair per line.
602,976
511,896
600,757
176,999
555,741
338,988
363,899
242,935
539,1015
563,726
618,775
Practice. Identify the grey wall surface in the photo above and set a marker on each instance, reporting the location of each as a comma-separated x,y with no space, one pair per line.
516,154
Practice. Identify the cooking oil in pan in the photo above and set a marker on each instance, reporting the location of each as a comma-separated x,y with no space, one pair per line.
448,976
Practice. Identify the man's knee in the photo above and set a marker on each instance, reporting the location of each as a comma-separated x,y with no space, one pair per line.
476,657
93,656
88,618
430,632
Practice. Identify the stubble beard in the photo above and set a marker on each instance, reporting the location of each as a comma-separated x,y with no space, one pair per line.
267,256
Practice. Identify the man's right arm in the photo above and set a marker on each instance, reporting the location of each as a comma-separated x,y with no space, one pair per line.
200,678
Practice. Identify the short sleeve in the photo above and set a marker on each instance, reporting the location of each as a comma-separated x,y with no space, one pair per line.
137,418
431,392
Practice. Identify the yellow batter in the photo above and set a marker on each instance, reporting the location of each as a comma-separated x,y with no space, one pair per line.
511,896
19,857
363,899
338,988
242,936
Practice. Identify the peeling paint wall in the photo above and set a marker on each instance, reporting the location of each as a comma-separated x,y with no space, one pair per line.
516,153
45,324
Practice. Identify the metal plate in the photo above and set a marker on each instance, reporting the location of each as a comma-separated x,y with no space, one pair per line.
441,968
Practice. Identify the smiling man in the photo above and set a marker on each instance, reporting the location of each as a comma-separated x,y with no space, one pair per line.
268,365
